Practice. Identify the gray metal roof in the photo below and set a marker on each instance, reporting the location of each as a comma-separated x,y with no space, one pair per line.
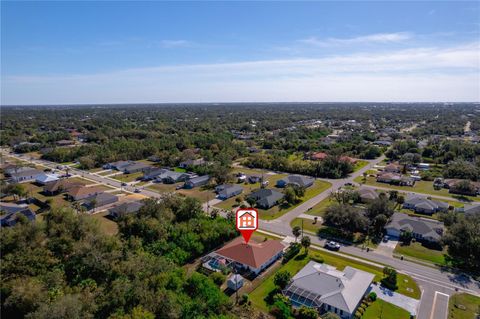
300,180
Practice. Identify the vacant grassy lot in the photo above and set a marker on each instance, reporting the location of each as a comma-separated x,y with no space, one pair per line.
320,208
359,165
308,224
463,306
416,250
107,225
126,178
294,265
382,309
163,188
420,187
203,195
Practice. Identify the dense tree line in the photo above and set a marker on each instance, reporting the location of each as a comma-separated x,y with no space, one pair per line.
65,267
330,167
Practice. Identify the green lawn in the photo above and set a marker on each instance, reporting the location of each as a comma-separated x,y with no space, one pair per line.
278,210
308,224
380,309
416,250
180,170
128,177
463,306
107,225
203,195
320,208
163,188
294,265
359,165
424,187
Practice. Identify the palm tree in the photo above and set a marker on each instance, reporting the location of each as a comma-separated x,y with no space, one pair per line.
306,243
296,231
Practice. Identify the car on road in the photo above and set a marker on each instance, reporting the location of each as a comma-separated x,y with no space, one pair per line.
124,184
137,190
332,245
385,238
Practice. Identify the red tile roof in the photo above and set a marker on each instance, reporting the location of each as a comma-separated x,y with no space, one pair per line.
319,156
253,254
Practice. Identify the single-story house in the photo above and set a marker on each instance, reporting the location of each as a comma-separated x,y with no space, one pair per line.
252,179
44,178
382,143
235,282
136,167
226,191
12,212
393,168
152,173
26,175
266,198
192,162
367,194
326,289
197,181
421,228
83,192
60,186
349,159
99,200
451,185
318,156
254,257
119,166
395,179
125,208
469,209
298,180
172,177
420,204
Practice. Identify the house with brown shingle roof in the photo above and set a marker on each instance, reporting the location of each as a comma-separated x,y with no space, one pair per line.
253,257
60,186
83,192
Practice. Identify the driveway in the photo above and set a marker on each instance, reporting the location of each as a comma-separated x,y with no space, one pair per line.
386,248
402,301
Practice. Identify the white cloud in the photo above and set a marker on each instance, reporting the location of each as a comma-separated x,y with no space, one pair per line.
174,43
381,38
422,74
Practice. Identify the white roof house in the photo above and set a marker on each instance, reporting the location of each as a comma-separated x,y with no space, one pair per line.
46,178
325,288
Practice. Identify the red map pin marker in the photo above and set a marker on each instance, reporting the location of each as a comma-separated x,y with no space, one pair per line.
247,222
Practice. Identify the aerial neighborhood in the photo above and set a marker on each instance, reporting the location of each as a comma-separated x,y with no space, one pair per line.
343,223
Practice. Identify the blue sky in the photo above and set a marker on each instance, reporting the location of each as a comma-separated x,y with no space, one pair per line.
127,52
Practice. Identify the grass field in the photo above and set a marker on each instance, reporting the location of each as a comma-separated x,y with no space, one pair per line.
416,250
199,193
128,177
359,165
382,309
163,188
463,306
294,265
320,208
108,226
424,187
308,224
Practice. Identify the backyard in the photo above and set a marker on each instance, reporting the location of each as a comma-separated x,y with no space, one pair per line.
107,225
